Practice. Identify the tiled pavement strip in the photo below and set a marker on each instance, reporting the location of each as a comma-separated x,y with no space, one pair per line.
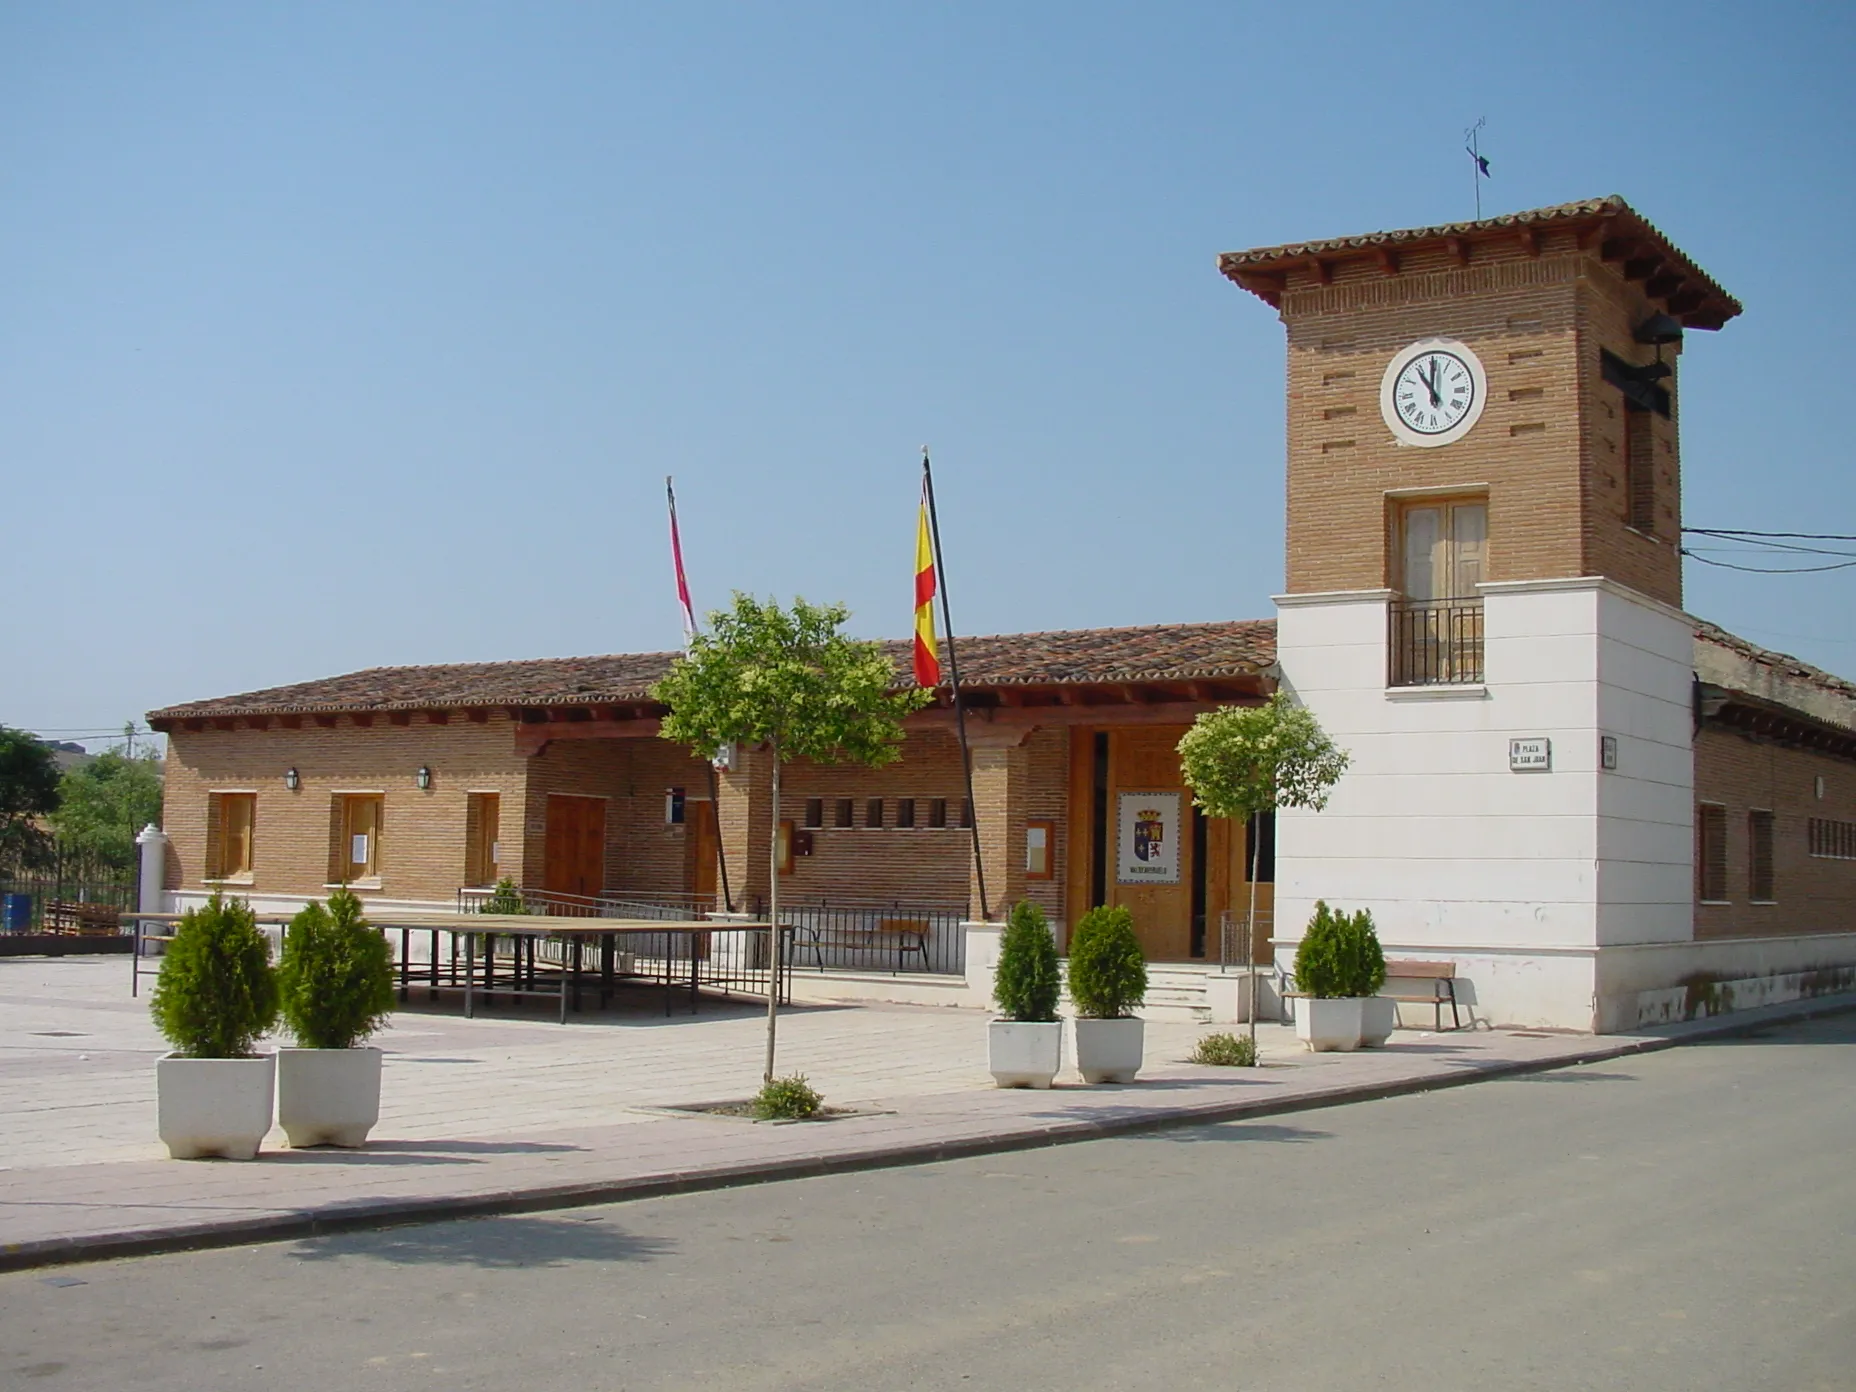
498,1114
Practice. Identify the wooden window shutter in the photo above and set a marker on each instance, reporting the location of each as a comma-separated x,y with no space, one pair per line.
1711,852
1759,857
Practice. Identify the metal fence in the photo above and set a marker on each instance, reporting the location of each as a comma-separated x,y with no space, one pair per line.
876,935
1235,948
24,900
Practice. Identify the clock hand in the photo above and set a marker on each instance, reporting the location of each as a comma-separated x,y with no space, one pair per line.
1430,384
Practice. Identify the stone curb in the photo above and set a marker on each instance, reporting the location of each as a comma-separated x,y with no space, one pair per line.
383,1213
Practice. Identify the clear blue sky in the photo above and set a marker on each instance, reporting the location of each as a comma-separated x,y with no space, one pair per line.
356,334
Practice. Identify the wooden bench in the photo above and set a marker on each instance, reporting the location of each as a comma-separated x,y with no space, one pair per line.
1441,975
906,935
83,920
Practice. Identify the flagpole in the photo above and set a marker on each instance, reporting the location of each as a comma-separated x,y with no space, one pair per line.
953,672
689,631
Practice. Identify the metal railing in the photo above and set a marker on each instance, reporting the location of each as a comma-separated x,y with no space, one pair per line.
1234,950
1434,642
876,935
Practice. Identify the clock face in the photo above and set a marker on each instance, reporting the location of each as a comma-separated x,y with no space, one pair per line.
1433,392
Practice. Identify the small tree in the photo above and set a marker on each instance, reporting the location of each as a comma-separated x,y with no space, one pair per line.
1108,974
28,794
105,802
1244,761
505,898
216,995
793,682
335,975
1027,981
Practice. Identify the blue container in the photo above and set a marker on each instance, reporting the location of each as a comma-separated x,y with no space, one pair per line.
16,913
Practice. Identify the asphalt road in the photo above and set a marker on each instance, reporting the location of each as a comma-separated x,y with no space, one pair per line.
1680,1220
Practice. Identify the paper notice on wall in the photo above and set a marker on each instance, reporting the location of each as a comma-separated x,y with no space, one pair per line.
496,853
357,850
1147,833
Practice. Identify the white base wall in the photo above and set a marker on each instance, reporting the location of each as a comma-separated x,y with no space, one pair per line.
1521,878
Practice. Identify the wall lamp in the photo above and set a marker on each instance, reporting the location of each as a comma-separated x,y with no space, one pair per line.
423,777
1658,329
291,781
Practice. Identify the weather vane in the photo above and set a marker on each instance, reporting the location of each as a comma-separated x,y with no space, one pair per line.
1478,163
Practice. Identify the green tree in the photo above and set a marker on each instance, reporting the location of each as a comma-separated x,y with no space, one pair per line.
28,795
793,682
104,803
1244,761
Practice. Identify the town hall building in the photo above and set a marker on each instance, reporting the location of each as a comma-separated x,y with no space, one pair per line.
1603,811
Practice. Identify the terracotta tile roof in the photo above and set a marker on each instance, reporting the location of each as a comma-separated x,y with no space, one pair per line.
1625,230
1735,664
1164,652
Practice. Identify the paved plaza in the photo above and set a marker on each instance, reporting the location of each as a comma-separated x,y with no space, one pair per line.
512,1110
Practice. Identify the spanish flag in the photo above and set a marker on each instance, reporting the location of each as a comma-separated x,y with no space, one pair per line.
927,651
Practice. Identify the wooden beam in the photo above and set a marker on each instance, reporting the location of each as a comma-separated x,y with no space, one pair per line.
1642,267
1321,271
1159,713
326,722
225,723
290,722
257,722
479,717
1459,248
1597,234
1664,284
1530,239
438,717
1388,260
1680,303
194,725
365,719
532,739
401,717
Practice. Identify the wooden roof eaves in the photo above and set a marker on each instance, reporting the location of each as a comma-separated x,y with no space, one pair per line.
1608,227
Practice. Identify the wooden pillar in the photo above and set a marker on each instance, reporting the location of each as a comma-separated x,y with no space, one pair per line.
1001,777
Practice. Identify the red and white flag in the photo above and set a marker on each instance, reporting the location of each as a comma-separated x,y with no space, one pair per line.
676,556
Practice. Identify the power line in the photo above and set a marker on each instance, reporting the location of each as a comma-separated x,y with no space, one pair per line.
1767,570
1728,532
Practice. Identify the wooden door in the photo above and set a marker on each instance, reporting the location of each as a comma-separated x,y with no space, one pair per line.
575,850
1145,759
702,843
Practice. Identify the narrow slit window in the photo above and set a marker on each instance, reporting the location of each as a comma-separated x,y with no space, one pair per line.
873,813
905,812
846,815
815,813
1711,852
1760,888
937,812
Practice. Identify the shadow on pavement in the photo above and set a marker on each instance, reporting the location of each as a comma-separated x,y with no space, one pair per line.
509,1243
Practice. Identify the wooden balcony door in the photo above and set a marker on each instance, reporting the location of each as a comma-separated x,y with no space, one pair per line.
575,850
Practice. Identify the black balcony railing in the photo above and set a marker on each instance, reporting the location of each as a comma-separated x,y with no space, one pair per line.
1434,642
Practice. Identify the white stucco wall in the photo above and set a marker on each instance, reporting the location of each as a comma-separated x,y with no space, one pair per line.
1519,877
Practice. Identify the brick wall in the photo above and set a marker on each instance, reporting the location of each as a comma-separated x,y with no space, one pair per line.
1813,894
645,855
1545,448
422,837
922,865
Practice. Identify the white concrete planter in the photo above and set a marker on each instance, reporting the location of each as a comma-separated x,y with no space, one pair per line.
1329,1025
1109,1051
1024,1053
328,1096
1378,1018
214,1106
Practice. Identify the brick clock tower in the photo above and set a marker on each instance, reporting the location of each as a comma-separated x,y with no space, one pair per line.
1484,589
